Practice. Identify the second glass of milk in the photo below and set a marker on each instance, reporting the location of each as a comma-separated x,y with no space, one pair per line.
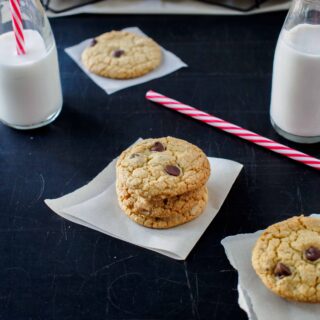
295,99
30,87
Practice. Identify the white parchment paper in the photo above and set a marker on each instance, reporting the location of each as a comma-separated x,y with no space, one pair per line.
170,63
95,206
254,298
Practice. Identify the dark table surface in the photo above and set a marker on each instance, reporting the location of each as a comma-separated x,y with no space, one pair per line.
53,269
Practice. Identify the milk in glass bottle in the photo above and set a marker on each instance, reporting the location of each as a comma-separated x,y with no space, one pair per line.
295,98
30,88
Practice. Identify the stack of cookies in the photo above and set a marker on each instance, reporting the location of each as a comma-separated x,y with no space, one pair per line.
161,182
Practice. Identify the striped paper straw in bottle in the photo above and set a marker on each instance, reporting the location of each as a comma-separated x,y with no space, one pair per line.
233,129
17,26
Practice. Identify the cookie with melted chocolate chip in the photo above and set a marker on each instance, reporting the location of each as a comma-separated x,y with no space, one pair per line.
121,55
286,257
162,168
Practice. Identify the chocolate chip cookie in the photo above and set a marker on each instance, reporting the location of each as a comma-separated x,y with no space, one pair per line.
121,55
161,208
175,219
162,168
287,259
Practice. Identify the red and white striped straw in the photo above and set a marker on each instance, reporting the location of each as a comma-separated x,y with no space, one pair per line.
17,26
233,129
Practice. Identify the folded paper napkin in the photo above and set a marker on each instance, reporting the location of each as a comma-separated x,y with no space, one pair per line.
96,206
169,64
254,298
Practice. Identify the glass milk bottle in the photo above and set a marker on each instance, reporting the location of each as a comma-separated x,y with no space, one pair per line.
295,98
30,88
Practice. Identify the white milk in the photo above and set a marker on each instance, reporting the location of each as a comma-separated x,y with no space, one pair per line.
30,89
295,101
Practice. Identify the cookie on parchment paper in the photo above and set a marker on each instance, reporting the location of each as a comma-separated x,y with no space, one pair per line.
122,55
161,208
287,259
174,220
162,168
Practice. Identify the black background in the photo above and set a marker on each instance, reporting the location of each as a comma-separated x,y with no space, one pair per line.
53,269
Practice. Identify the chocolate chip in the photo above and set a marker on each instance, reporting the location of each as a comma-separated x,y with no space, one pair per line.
158,146
93,42
117,53
312,254
281,270
165,201
172,170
